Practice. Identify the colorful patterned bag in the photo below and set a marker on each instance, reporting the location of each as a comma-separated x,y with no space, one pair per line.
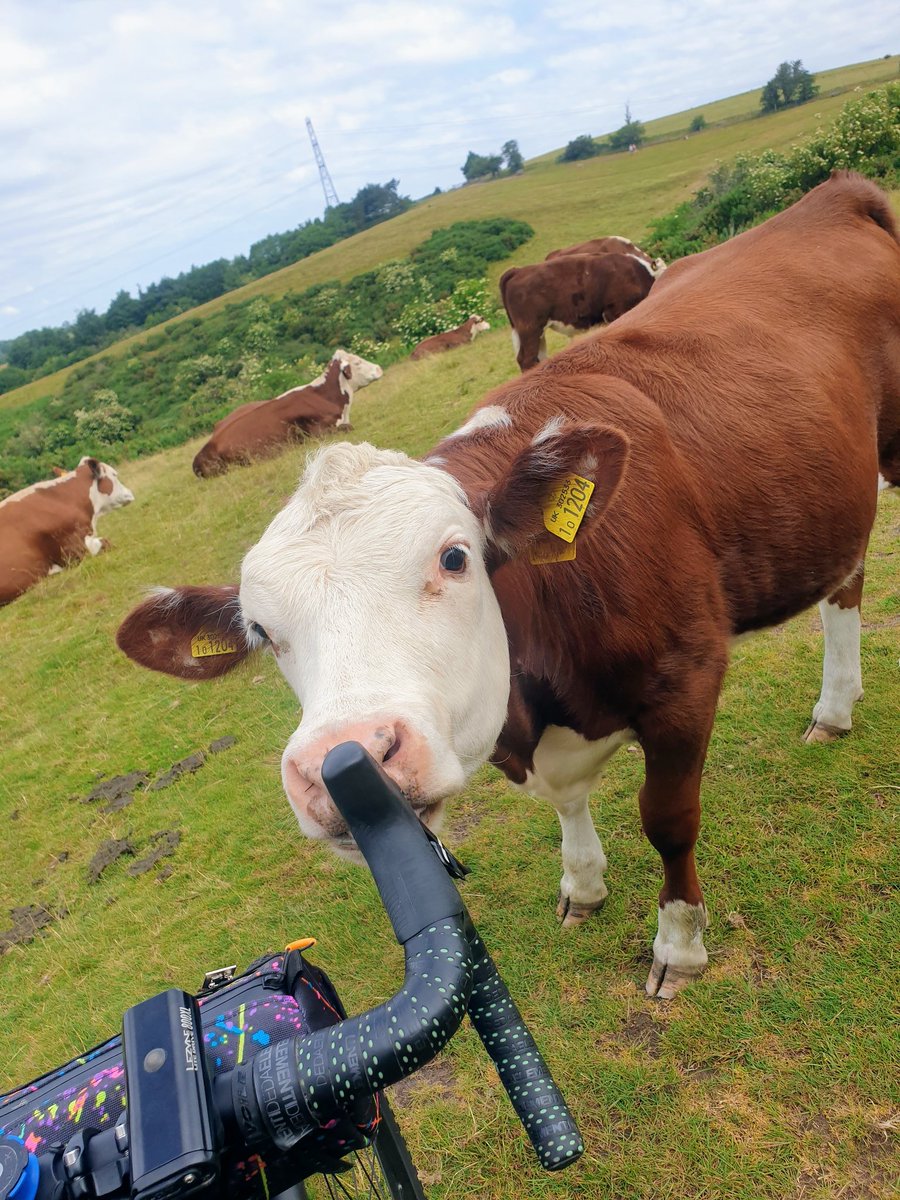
277,997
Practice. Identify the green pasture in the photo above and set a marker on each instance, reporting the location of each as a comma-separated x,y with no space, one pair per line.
775,1076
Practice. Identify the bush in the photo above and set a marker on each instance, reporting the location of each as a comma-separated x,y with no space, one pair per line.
698,123
864,137
106,422
580,147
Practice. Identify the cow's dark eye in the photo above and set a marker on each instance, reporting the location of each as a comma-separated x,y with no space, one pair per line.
258,631
453,559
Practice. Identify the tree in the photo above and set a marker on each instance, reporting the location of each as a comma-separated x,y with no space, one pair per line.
514,160
698,123
377,202
477,166
583,146
631,133
791,84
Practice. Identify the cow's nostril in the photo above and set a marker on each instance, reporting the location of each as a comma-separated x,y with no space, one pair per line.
393,750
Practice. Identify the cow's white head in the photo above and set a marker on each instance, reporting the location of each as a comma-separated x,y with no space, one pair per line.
657,266
358,372
107,491
477,325
372,589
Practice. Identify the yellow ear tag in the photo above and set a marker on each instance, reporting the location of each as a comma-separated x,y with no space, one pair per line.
564,509
549,554
204,645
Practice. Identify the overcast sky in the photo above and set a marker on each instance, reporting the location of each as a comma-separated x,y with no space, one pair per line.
142,138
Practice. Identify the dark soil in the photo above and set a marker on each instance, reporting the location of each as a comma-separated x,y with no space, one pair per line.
27,920
163,844
108,853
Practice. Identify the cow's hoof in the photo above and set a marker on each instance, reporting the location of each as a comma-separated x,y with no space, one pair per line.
819,731
571,913
666,980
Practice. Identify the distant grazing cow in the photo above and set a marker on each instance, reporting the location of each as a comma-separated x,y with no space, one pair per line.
51,524
732,428
571,295
460,336
262,426
611,245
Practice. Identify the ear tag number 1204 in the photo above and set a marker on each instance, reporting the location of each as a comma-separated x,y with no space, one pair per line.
565,507
205,645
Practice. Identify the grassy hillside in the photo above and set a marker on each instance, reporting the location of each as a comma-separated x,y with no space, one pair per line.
775,1076
564,203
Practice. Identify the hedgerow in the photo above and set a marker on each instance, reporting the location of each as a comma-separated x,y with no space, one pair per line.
865,137
187,376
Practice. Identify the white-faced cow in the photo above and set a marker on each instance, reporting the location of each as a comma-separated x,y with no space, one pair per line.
732,426
262,426
51,524
614,244
571,295
460,336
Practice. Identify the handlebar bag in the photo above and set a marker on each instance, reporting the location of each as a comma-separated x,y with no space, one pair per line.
278,996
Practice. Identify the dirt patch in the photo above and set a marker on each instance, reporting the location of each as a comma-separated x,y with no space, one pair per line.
163,844
187,766
27,921
222,743
109,852
874,1168
437,1078
638,1031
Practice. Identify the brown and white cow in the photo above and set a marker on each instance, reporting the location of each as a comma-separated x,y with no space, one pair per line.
614,244
263,426
460,336
51,524
571,295
733,427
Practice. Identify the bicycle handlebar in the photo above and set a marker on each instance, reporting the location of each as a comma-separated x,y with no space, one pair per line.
296,1086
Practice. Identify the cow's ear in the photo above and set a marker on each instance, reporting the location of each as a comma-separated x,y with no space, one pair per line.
93,466
347,371
516,506
191,632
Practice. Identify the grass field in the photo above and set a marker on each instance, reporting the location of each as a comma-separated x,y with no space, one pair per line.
777,1075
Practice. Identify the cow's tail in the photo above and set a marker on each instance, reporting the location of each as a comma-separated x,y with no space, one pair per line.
504,282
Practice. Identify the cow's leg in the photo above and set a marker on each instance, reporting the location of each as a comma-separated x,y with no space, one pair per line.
841,670
529,346
566,769
670,815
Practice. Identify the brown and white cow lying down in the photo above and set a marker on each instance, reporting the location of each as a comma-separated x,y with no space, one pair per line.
611,245
263,426
51,524
570,294
733,426
460,336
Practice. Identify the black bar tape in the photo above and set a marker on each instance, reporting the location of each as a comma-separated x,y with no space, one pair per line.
538,1102
358,1057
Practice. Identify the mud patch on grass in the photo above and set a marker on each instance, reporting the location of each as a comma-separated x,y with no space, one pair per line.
222,743
162,845
117,792
109,852
187,766
640,1031
436,1079
27,922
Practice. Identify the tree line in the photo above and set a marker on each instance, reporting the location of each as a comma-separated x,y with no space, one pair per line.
41,351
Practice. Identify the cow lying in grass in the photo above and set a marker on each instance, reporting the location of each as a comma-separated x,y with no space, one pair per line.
460,336
720,446
264,426
51,524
